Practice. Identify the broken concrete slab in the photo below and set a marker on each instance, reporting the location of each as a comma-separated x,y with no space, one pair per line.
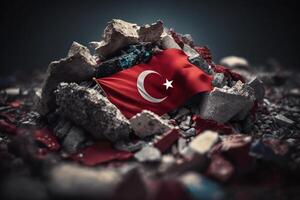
73,139
94,112
258,87
167,42
204,142
80,66
148,154
190,52
151,33
148,123
222,104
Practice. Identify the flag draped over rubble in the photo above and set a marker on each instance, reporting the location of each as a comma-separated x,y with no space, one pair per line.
150,110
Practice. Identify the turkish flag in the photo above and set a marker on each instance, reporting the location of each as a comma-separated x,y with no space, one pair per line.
167,81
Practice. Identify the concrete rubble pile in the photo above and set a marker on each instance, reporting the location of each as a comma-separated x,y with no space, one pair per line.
88,149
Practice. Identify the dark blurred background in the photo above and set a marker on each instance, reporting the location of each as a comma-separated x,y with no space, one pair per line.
33,33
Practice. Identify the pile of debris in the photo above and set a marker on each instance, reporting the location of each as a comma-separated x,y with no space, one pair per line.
74,143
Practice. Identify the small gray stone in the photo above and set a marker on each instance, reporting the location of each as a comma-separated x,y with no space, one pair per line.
219,80
73,140
190,132
258,87
94,112
283,121
190,52
148,154
129,145
148,123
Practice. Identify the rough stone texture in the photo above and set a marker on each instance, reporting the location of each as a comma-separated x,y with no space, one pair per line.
219,80
148,123
201,64
168,42
62,128
234,61
94,112
76,181
117,35
77,48
148,154
151,33
190,52
74,138
78,67
204,142
222,104
258,87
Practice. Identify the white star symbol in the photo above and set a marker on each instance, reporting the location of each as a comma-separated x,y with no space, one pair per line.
168,84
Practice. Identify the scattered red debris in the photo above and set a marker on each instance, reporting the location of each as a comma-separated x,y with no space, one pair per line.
100,152
15,104
205,53
42,152
167,140
228,73
208,124
46,137
8,127
178,39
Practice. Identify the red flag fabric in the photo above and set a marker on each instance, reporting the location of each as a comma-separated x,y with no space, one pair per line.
167,81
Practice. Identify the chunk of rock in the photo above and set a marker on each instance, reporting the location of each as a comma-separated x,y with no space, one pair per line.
258,87
72,181
94,112
74,139
190,52
204,142
79,66
283,120
148,154
151,33
148,123
219,80
168,42
222,104
202,64
117,35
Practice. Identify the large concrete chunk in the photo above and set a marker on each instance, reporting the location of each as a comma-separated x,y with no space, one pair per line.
79,66
117,35
222,104
190,52
94,112
147,123
151,33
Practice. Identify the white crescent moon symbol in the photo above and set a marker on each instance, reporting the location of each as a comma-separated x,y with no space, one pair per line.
141,88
